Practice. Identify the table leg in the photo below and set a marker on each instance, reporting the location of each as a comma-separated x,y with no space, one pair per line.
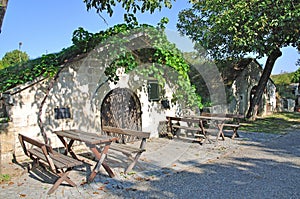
204,132
221,133
68,147
100,157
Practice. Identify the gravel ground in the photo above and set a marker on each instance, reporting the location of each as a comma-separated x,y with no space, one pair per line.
260,168
256,165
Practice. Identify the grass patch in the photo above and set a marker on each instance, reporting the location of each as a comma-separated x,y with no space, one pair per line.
277,123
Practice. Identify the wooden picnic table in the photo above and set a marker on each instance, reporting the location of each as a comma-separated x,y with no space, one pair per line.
91,140
218,121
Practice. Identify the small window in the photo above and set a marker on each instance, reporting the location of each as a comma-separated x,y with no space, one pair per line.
153,90
62,113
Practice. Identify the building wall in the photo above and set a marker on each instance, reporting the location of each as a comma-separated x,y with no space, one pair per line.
77,88
239,101
270,95
22,108
241,89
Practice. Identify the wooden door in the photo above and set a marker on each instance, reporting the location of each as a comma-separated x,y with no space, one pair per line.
121,108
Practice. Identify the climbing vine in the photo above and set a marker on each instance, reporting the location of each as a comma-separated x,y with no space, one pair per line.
161,53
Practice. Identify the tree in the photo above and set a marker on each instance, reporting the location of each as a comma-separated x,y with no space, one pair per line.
233,29
296,76
13,57
129,6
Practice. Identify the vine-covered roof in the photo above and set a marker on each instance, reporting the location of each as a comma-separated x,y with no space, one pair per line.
161,52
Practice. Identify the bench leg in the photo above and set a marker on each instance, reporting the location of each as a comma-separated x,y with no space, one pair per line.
100,157
62,177
133,163
235,133
220,133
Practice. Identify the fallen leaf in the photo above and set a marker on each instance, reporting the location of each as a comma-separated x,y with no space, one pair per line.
101,188
139,178
95,192
22,195
11,183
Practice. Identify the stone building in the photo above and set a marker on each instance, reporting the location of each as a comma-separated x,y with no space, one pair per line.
241,81
84,97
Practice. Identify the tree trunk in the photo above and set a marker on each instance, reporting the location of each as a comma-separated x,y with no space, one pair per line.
254,104
2,11
40,122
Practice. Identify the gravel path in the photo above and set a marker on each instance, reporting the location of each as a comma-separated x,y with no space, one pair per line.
256,170
257,165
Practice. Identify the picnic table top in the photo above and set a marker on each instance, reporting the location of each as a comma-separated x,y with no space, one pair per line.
195,118
89,138
220,118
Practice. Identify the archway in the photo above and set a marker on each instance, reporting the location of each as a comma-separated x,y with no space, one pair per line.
121,108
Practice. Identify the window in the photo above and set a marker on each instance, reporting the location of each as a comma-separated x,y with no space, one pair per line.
153,90
62,113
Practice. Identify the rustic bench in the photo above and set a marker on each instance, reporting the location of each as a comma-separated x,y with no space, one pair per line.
234,125
192,125
125,136
59,164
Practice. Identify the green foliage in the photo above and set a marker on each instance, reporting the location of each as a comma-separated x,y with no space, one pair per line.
235,28
161,52
282,82
129,6
296,76
13,57
282,79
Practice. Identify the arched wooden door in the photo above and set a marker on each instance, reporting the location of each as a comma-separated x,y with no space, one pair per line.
121,108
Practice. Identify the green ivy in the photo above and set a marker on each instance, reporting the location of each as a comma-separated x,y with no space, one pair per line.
161,53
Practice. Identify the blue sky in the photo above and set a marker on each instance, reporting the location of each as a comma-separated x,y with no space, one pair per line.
47,27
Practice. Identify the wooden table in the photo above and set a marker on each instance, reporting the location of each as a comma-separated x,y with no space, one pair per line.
219,121
91,140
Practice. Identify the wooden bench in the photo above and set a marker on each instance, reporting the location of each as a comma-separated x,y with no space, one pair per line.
125,136
235,121
192,125
59,164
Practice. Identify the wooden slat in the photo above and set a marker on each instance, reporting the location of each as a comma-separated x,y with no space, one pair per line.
220,118
183,119
88,138
125,148
60,161
139,134
232,125
187,128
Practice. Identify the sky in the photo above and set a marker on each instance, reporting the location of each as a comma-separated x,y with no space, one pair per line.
46,26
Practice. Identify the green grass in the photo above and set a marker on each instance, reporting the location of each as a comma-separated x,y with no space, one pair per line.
277,123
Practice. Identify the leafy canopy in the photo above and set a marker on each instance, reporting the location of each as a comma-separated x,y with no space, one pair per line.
296,76
13,57
128,5
236,28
